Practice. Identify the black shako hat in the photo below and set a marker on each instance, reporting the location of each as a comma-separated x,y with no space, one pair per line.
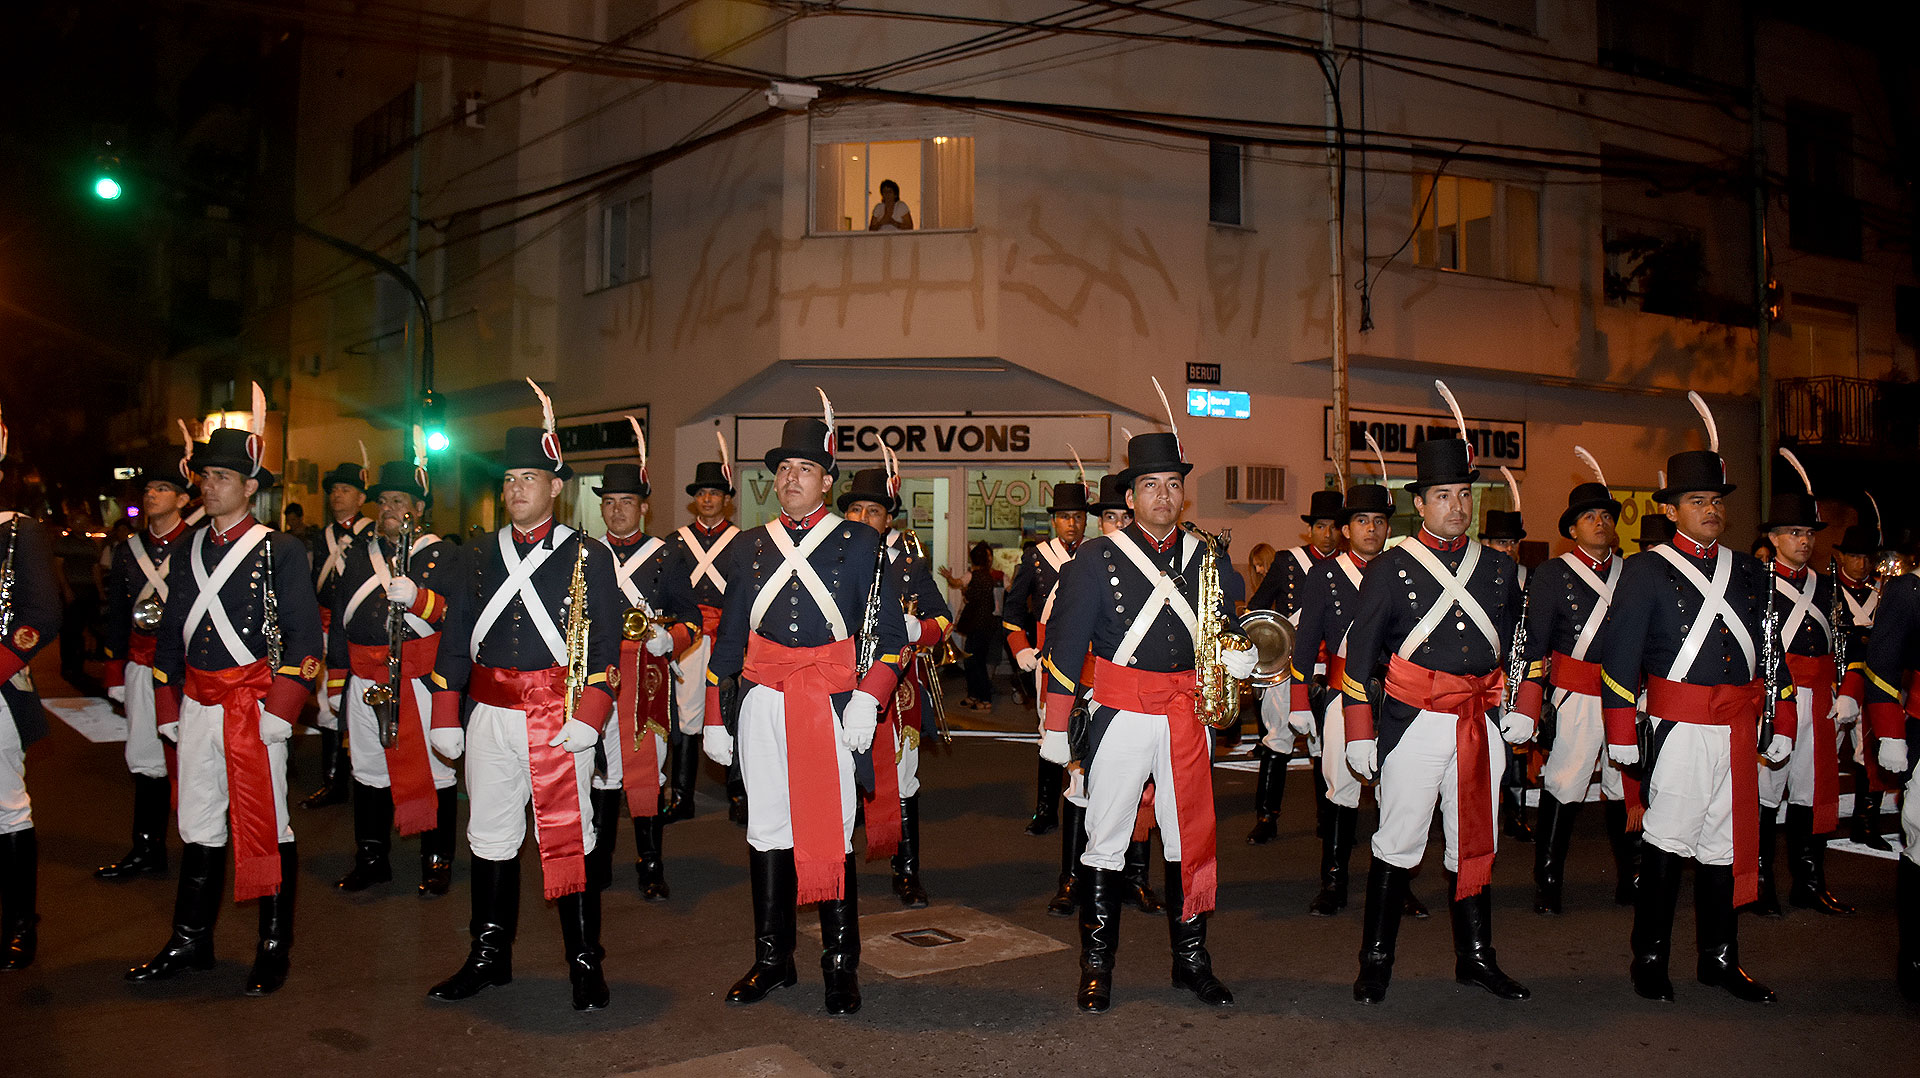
1440,462
621,477
1584,498
1503,525
166,467
1324,505
1366,498
1069,497
400,475
1860,539
804,438
1113,495
531,447
869,485
710,475
346,472
236,450
1148,454
1654,530
1793,509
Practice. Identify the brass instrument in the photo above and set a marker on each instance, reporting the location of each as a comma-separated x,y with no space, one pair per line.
6,577
577,625
1216,695
637,623
929,659
147,612
1272,636
270,616
1889,565
384,696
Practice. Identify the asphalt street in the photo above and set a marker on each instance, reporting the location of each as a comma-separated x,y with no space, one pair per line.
356,1001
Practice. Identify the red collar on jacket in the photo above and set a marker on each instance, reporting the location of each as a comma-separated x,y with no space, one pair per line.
539,532
805,522
1685,544
702,529
1434,542
1597,566
179,528
1160,546
233,534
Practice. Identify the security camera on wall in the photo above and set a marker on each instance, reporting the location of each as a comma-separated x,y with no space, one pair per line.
791,96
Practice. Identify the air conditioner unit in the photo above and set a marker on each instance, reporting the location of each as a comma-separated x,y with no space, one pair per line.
1256,484
473,110
310,364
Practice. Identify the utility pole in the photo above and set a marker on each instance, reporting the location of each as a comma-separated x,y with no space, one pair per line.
1336,246
1762,328
425,372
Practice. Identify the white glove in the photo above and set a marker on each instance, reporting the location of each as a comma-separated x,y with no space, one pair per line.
274,729
1239,664
575,736
448,741
1300,722
1779,748
1364,757
857,721
1893,755
913,629
1026,660
171,731
117,693
659,641
1623,755
718,745
1053,747
1515,728
403,591
1845,711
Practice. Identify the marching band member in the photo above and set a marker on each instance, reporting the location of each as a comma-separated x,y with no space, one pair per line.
786,685
136,594
516,649
346,490
1025,611
1686,623
29,620
237,653
1140,722
1892,676
1437,612
698,552
405,784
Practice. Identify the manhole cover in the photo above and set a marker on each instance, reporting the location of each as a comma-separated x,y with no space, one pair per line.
928,937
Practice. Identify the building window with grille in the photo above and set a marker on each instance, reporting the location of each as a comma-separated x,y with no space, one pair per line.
891,168
1482,227
1226,171
1823,217
381,135
625,246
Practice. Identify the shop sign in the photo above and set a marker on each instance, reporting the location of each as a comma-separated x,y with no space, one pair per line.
1495,441
948,438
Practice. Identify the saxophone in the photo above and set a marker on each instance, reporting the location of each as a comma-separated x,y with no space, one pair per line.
577,625
384,696
1216,696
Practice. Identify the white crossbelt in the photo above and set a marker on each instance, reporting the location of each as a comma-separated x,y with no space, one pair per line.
207,604
337,549
623,572
1352,571
1602,588
704,559
794,564
1862,613
1166,595
156,574
1713,607
1057,556
1802,608
520,582
1453,590
381,578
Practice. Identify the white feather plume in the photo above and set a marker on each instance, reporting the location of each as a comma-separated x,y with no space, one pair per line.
1513,487
1454,407
259,411
546,407
186,437
1379,455
1171,425
1593,465
1126,435
1706,416
726,463
366,462
1795,461
1878,524
1081,468
826,407
1340,476
419,446
1662,474
640,443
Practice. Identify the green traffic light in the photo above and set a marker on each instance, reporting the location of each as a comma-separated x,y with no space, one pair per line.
106,187
437,441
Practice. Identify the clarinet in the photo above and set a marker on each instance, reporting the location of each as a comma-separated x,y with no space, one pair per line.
270,618
1517,656
1840,621
869,648
1770,636
6,577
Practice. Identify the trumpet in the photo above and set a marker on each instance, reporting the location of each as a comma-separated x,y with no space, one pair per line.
1216,695
147,612
928,660
637,623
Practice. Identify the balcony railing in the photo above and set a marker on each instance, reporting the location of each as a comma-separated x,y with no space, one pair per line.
1836,411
